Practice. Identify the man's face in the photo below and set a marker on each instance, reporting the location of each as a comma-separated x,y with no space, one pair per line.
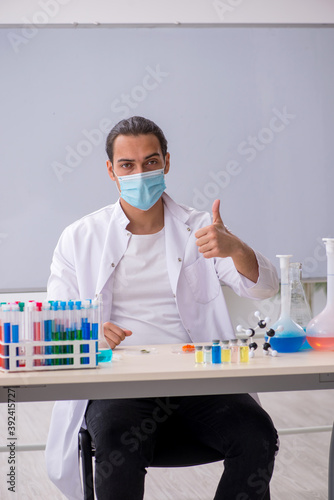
136,154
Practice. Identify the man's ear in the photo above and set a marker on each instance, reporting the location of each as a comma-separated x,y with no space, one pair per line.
167,163
110,170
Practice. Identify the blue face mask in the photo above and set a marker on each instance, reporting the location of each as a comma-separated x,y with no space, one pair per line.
142,190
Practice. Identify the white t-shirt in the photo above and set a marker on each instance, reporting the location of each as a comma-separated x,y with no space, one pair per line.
143,301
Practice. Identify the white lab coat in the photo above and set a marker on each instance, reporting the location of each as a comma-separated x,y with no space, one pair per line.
84,260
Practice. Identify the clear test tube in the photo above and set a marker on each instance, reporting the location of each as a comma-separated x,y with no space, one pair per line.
100,313
30,327
234,350
208,354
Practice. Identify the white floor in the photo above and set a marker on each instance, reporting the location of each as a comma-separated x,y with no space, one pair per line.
300,473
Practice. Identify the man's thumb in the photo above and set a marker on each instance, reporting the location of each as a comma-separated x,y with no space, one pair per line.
215,212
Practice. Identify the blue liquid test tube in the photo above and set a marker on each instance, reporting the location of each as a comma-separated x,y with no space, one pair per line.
63,334
86,327
15,323
46,308
216,352
95,323
6,332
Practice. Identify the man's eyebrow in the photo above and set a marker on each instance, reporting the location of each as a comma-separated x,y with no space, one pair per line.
123,159
146,158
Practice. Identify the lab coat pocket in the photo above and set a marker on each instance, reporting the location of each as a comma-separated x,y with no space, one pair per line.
202,280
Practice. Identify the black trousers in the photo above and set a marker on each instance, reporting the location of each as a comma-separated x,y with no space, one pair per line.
126,432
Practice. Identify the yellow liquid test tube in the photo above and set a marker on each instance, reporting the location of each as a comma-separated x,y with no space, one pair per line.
244,351
199,354
226,351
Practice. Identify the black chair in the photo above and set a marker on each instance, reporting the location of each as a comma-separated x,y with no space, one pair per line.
176,448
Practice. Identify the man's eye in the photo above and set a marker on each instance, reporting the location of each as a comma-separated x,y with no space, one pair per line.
126,165
152,162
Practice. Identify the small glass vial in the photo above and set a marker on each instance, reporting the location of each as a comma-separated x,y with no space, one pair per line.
216,352
199,355
226,352
244,351
208,354
234,350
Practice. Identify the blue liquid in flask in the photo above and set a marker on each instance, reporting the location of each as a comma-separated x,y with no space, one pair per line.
290,339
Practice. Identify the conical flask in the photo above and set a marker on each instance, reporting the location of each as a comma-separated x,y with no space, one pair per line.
320,330
293,336
300,311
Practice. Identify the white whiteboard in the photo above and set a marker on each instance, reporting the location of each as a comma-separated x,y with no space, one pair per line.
248,114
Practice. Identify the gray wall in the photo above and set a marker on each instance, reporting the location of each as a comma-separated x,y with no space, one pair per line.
248,113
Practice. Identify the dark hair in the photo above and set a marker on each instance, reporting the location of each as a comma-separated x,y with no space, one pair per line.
136,125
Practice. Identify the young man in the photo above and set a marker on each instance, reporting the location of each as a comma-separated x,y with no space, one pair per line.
159,267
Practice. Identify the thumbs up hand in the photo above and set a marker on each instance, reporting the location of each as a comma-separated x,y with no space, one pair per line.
216,240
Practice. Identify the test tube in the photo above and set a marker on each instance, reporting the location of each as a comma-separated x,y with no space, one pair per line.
30,327
208,354
63,330
78,330
216,352
244,351
226,352
1,322
6,333
55,330
234,350
15,323
37,329
46,308
95,319
85,328
199,355
70,331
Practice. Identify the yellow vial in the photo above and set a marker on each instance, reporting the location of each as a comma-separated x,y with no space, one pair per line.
199,354
226,352
244,351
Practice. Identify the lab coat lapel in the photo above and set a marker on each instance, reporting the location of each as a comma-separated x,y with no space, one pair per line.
115,244
177,234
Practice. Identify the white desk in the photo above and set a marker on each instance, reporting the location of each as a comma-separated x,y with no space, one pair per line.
164,373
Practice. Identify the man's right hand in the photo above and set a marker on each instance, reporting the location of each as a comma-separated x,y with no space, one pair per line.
114,334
